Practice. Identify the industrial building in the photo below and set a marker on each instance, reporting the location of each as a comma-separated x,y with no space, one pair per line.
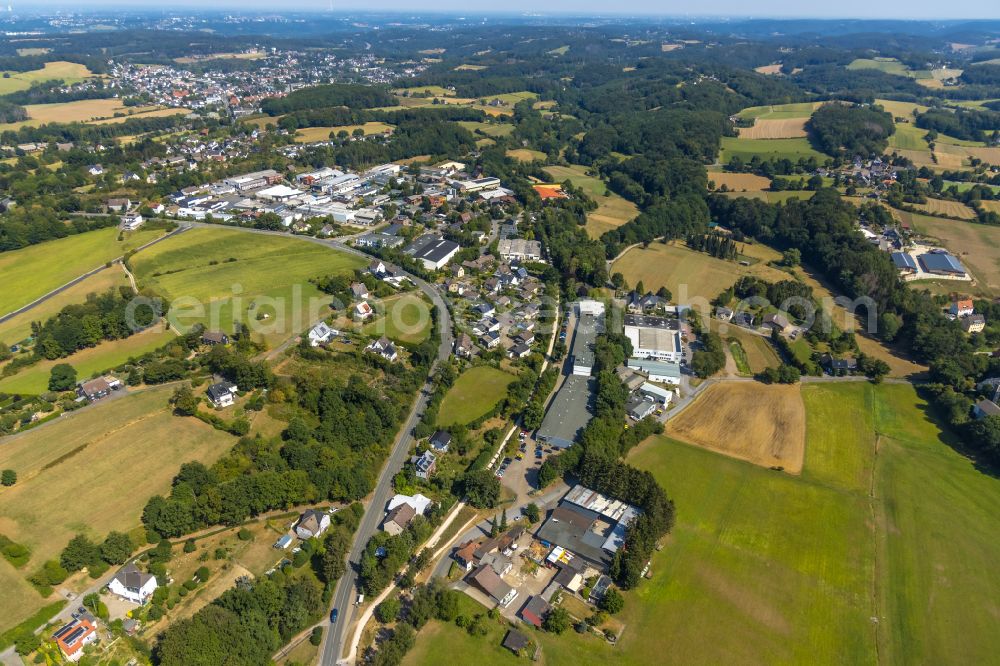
655,338
432,251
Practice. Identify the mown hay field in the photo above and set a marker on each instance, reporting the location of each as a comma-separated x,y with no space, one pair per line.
686,273
955,209
70,474
67,72
739,181
312,134
787,128
761,424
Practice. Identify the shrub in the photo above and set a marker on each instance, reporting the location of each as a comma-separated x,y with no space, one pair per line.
244,534
316,637
189,546
388,610
8,477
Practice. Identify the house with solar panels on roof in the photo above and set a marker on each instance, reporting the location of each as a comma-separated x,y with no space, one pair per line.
73,637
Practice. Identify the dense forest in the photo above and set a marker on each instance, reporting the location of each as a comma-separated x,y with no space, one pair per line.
334,94
836,129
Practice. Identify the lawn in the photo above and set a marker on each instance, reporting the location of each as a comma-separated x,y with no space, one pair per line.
312,134
222,275
36,270
612,210
745,149
70,475
88,362
18,328
686,273
68,72
407,319
474,394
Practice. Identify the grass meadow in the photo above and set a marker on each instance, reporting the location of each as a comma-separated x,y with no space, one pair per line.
311,134
36,270
976,245
237,276
612,210
673,265
67,72
406,319
93,472
745,149
886,521
474,394
18,328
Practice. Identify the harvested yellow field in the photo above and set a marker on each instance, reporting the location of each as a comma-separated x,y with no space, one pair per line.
785,128
901,109
992,206
920,158
140,112
768,69
250,55
739,182
94,111
31,51
470,68
955,209
666,48
764,425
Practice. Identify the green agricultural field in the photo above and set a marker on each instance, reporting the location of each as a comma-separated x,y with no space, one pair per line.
764,567
218,276
489,129
67,72
36,270
780,111
612,210
88,362
407,319
70,476
18,328
908,137
745,149
887,65
474,394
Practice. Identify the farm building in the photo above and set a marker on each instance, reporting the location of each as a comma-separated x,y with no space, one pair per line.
904,262
941,263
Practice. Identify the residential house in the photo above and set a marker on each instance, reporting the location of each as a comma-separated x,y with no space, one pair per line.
119,205
723,313
322,334
95,389
363,310
519,350
425,465
486,579
312,523
384,348
212,338
973,323
222,394
132,584
500,562
778,322
489,340
535,610
72,638
962,308
985,408
398,518
359,290
440,441
131,221
463,346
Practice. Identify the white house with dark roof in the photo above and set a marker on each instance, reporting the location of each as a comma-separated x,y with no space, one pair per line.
132,584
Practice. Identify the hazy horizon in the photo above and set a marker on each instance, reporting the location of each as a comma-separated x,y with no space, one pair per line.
923,10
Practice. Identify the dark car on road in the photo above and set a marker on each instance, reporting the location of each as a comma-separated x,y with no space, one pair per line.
333,615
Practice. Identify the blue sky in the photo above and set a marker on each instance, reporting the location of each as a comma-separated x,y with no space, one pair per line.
915,9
